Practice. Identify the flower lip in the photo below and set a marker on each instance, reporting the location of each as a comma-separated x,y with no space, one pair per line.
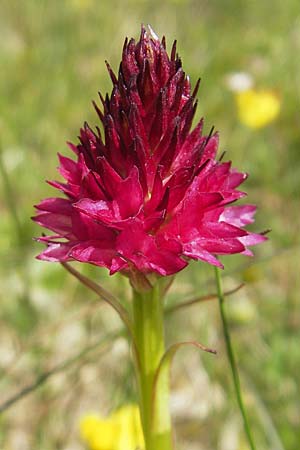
148,193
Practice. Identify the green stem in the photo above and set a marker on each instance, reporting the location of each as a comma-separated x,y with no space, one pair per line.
149,334
10,197
231,358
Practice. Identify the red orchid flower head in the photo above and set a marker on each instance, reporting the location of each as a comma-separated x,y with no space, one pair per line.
146,193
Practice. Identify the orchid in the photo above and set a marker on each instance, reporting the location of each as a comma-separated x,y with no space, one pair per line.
145,194
150,195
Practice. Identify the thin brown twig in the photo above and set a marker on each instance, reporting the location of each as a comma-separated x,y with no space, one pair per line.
41,379
103,293
204,298
111,300
44,331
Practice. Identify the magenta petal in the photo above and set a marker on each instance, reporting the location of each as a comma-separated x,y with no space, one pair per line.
93,252
165,263
55,205
191,214
201,201
188,217
169,243
231,196
69,169
71,191
235,179
86,228
220,230
239,215
247,252
58,223
129,195
223,246
186,156
178,185
97,210
91,187
133,241
140,248
156,194
110,178
56,253
102,213
117,264
194,250
252,239
154,220
210,150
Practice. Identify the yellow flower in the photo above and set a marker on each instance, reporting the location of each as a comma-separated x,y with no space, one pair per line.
257,108
122,430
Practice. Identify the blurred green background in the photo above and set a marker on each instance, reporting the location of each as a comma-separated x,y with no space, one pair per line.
52,65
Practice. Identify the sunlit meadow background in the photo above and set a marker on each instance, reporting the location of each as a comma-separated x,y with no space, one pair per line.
52,65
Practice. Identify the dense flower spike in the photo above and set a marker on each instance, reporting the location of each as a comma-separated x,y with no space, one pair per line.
150,194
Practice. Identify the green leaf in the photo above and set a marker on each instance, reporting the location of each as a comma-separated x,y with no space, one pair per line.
160,420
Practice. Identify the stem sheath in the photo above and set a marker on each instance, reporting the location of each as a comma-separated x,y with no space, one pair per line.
148,326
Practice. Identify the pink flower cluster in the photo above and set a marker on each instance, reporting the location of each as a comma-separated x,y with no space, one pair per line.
150,194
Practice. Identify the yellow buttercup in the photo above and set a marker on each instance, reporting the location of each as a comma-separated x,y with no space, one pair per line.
122,430
257,108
